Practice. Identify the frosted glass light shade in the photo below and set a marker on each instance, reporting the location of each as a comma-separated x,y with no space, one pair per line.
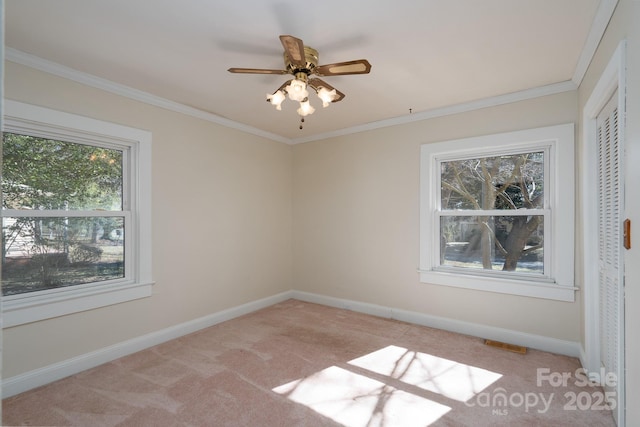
276,99
297,90
327,96
305,108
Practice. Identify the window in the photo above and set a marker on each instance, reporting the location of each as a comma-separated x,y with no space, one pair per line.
497,213
76,214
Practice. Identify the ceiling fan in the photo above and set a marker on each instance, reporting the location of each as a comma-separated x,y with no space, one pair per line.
302,62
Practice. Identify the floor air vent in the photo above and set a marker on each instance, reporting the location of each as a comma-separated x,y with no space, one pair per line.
509,347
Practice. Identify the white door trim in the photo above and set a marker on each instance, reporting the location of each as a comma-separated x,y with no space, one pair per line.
613,78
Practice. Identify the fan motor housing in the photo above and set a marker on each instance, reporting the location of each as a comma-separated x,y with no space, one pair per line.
310,57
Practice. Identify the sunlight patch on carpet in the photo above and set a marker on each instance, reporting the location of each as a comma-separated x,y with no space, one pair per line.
356,400
448,378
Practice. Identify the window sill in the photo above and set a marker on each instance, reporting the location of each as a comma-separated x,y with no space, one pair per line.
25,308
528,288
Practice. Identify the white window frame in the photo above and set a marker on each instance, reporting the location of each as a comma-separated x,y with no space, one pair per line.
557,282
27,119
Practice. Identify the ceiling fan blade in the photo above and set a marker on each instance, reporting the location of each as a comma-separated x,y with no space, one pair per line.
294,48
285,84
359,66
317,84
256,71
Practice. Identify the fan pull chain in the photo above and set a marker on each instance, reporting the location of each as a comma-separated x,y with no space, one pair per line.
301,122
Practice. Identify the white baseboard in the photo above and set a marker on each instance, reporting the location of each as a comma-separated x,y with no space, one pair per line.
553,345
38,377
583,358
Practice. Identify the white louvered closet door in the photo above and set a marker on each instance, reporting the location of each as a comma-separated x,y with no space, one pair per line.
611,274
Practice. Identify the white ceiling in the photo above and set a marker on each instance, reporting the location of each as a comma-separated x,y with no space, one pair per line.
427,55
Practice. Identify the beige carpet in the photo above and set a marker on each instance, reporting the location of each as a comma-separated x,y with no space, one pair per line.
302,364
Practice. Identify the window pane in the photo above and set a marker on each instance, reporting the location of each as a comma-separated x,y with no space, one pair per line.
47,174
46,253
501,182
509,243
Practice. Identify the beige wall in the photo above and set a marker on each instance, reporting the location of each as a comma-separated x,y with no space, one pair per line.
221,223
625,25
356,220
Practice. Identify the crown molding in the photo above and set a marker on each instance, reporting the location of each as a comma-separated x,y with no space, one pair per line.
601,20
598,27
493,101
56,69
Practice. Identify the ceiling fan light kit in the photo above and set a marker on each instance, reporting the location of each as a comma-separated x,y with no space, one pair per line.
302,62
